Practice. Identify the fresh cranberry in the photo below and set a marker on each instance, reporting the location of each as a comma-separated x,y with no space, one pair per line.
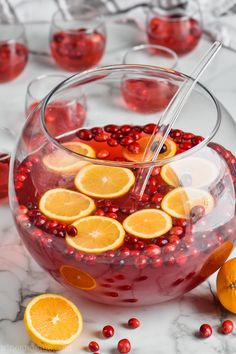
227,327
140,262
135,135
40,220
135,254
110,255
133,323
18,185
152,251
176,230
102,137
124,253
156,171
112,215
197,140
124,346
187,136
140,245
171,260
99,212
113,209
21,177
174,239
112,142
46,242
134,148
186,145
93,346
169,248
125,129
111,128
127,140
103,154
157,198
176,133
108,331
144,198
163,149
149,128
71,230
131,240
96,130
162,241
205,330
85,134
90,259
117,136
196,213
137,128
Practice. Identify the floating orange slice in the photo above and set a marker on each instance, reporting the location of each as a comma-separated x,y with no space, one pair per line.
97,234
60,161
198,171
77,278
52,321
170,151
179,202
104,181
148,223
65,205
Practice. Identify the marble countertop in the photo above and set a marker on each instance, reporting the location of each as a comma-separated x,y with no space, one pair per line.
166,328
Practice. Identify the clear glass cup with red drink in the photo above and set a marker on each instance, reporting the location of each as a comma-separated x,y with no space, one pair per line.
77,210
78,38
66,113
4,174
146,95
178,28
13,51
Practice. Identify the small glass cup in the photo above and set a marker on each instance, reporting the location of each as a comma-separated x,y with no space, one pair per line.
78,38
13,51
69,111
178,29
4,174
145,95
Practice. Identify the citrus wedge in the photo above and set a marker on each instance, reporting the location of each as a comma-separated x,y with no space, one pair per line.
60,161
104,181
97,234
179,202
52,321
65,205
77,278
148,223
171,149
190,172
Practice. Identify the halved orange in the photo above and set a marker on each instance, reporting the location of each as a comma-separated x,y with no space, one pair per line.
104,181
200,171
97,234
148,223
60,161
179,202
170,145
77,278
65,205
52,321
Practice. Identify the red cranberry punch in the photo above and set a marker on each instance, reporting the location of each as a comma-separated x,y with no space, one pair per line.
76,210
177,28
78,38
4,173
13,51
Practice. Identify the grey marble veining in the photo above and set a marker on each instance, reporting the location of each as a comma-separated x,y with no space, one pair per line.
168,328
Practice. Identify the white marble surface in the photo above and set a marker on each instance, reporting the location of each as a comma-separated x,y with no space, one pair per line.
167,328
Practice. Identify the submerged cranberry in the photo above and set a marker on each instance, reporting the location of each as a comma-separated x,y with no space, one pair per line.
84,134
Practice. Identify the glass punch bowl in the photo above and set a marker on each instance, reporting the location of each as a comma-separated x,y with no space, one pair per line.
75,192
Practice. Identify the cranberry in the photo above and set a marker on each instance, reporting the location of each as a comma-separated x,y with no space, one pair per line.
140,262
171,261
46,242
181,259
112,142
156,171
205,330
99,212
134,148
111,294
125,128
162,241
127,140
197,212
157,262
176,133
137,128
103,154
149,128
93,346
69,252
112,215
124,253
108,331
90,259
144,198
110,255
134,253
36,234
133,323
60,233
124,346
157,198
177,230
71,230
18,185
135,135
186,145
21,177
40,221
227,327
79,256
111,128
152,251
197,140
163,149
84,134
117,136
140,245
96,130
174,239
22,209
187,136
113,209
102,137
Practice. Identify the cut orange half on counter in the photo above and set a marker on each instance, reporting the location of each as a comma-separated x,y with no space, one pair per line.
171,149
97,234
104,181
179,202
148,223
65,205
77,278
196,171
60,161
52,321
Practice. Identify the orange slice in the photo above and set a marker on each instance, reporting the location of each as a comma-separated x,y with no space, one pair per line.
60,161
97,234
226,285
52,321
65,205
179,202
148,223
198,171
104,181
77,278
171,150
